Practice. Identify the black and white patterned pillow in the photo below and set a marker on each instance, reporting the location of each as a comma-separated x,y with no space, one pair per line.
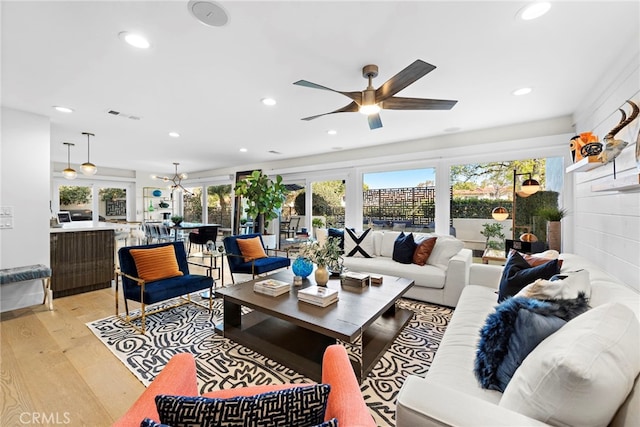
358,245
295,407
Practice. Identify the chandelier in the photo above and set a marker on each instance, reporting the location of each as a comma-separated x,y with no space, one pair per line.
176,180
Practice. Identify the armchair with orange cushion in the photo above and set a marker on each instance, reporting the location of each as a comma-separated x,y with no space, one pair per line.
345,402
155,273
246,255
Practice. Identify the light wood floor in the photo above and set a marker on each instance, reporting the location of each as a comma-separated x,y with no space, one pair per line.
55,371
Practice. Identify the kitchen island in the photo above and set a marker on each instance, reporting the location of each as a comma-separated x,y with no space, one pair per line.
82,257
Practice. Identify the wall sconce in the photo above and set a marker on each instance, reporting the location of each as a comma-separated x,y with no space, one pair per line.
88,168
69,172
529,186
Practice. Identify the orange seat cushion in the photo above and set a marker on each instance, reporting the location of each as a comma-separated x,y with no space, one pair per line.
156,263
251,248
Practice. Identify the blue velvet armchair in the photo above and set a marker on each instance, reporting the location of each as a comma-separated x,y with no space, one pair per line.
150,292
237,263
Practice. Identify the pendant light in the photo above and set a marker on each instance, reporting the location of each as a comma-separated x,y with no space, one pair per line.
500,213
88,168
69,173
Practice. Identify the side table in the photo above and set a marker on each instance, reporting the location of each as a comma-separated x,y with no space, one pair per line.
214,259
493,255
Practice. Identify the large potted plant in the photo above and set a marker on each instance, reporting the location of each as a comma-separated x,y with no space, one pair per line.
264,196
553,216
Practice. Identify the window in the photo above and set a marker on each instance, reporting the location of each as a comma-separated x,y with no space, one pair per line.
400,200
478,188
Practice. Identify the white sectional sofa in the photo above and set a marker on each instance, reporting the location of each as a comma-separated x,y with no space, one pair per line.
440,281
449,394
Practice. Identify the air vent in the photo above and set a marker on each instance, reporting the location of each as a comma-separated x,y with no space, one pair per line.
274,152
124,115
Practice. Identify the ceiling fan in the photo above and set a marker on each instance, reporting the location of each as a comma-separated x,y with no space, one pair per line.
370,101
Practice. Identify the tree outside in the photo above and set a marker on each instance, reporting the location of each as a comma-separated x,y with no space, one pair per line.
71,195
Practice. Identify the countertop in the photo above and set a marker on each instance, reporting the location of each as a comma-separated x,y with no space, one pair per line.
88,226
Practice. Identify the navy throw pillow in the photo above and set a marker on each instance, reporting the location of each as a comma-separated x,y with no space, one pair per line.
517,326
403,248
148,422
518,273
508,336
335,232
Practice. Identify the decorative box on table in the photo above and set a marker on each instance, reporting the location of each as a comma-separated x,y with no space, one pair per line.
357,280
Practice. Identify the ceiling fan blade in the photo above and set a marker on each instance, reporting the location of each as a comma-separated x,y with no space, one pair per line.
403,79
398,103
374,121
356,96
350,108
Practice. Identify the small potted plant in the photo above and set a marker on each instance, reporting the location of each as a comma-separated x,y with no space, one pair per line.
495,237
177,220
326,257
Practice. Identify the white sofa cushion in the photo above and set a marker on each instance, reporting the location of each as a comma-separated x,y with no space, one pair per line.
581,374
427,276
446,247
388,239
561,286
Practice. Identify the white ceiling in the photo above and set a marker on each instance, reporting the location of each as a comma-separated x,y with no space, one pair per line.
207,82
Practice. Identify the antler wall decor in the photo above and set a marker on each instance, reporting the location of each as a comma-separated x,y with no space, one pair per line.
613,147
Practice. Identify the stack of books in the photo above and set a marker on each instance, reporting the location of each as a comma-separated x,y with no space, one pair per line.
271,287
358,280
318,295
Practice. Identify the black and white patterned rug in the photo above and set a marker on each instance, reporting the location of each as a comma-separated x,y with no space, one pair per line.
221,363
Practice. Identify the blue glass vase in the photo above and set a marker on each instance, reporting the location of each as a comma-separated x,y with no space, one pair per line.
302,267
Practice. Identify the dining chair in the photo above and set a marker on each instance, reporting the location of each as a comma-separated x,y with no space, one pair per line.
203,235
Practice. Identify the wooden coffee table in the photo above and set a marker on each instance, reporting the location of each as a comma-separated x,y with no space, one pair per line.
296,333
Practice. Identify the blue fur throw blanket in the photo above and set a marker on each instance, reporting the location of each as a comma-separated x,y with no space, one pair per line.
516,327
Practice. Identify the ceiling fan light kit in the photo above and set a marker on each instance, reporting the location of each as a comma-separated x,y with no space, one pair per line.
370,101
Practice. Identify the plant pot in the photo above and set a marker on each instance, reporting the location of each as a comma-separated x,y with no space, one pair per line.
554,235
321,275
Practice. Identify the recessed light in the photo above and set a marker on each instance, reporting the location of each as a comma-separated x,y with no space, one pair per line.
453,129
63,109
534,10
336,148
522,91
332,132
268,101
174,134
135,40
243,150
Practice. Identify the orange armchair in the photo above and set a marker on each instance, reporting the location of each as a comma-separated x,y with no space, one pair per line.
179,378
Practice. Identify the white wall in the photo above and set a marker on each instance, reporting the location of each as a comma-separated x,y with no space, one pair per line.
606,225
24,184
